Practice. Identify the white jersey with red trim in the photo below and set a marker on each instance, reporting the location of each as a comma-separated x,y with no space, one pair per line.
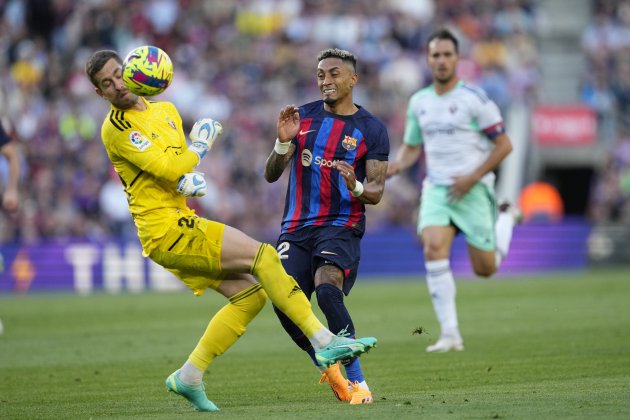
456,128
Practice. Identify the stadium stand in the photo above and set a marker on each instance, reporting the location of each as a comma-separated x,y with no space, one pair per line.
526,53
57,117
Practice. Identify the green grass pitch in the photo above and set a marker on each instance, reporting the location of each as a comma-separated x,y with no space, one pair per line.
536,347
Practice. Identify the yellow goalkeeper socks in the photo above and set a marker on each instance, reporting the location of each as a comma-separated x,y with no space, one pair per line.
227,325
285,293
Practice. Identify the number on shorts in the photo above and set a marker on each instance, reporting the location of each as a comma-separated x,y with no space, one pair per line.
283,248
189,222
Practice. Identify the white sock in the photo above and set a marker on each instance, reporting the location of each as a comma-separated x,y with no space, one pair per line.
189,374
503,233
362,385
441,286
321,339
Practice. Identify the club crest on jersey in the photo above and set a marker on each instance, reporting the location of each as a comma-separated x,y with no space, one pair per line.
349,143
452,108
138,140
172,124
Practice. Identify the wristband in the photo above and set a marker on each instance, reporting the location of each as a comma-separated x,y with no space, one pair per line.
281,148
358,189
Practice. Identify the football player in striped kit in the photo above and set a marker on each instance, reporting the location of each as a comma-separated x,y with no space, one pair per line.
337,155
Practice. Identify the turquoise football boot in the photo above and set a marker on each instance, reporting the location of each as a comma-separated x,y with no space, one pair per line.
341,348
196,395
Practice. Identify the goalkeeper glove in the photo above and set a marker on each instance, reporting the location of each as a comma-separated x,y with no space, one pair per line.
192,184
203,134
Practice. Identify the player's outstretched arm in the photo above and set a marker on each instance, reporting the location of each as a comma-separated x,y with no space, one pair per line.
166,166
288,125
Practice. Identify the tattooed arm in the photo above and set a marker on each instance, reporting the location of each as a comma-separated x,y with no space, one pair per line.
375,174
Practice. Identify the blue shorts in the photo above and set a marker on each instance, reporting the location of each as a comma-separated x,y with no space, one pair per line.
303,251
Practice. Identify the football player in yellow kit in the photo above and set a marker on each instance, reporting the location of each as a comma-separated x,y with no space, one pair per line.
146,144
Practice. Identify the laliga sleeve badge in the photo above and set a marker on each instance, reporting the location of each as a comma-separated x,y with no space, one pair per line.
138,140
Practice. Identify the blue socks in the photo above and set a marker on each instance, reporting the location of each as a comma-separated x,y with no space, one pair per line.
330,300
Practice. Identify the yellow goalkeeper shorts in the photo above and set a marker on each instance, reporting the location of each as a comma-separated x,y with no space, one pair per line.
191,250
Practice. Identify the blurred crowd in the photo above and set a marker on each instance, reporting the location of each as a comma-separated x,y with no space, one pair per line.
606,88
238,61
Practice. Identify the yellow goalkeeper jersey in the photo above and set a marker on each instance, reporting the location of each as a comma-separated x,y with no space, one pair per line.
149,152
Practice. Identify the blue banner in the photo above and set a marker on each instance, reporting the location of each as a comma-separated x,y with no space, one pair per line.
115,267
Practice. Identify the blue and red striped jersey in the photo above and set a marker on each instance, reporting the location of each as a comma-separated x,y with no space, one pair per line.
317,194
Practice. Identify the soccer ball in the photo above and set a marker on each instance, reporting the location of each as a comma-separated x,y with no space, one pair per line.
147,71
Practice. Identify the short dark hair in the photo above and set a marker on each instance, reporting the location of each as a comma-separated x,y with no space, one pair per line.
444,33
96,62
343,55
